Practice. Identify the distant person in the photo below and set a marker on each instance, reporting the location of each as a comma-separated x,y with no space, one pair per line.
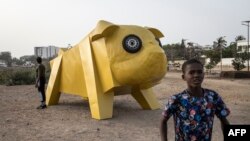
194,108
40,82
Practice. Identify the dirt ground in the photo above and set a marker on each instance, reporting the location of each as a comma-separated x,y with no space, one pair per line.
70,120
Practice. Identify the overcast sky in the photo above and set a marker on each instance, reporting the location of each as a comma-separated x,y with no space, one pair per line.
25,24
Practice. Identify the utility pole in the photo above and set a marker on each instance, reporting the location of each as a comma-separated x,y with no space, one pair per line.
246,23
220,58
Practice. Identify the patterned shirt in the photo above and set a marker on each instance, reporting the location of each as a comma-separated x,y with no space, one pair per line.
193,116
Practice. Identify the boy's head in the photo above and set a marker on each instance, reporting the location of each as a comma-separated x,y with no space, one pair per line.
39,60
192,72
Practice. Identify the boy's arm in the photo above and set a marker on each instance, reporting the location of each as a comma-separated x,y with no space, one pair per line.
170,108
224,122
221,111
164,129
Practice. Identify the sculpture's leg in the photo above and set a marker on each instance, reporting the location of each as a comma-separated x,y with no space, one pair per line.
101,105
145,98
52,92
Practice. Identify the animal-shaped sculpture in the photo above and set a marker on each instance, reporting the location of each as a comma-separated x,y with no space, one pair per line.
111,60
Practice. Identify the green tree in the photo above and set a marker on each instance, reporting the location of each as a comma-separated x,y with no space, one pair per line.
238,64
31,58
209,66
6,56
239,60
167,50
17,61
173,51
230,51
214,57
239,38
220,44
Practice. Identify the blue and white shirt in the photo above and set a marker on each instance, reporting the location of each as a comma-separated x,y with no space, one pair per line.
194,116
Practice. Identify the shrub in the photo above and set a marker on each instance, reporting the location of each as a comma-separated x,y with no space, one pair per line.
209,66
17,76
238,64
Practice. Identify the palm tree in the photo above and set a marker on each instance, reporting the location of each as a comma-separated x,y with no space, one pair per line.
239,38
220,44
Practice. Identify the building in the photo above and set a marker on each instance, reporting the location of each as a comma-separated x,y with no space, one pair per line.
242,46
207,47
46,52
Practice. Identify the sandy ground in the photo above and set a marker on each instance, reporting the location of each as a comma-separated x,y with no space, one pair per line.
71,120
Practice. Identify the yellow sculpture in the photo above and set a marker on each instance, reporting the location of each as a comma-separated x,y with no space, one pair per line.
111,60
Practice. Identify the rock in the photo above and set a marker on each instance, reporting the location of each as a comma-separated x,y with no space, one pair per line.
98,129
8,120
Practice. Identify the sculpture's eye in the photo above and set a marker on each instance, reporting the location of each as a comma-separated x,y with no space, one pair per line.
158,40
132,43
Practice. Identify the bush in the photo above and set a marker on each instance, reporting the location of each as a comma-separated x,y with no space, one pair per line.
238,64
209,67
17,76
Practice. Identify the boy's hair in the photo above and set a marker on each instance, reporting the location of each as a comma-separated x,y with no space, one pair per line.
39,60
191,61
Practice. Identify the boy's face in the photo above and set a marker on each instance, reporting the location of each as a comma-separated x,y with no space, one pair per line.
193,75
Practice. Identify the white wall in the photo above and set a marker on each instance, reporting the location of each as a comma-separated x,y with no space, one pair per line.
225,62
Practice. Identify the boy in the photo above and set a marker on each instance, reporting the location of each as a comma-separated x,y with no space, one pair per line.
194,108
40,82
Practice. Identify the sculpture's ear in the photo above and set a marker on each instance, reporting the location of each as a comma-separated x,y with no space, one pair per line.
103,29
156,32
